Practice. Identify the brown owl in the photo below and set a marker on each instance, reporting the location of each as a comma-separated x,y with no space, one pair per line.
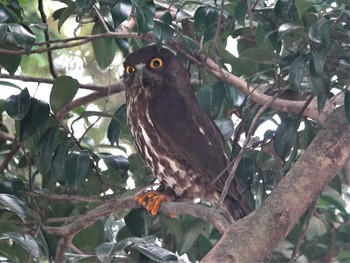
177,140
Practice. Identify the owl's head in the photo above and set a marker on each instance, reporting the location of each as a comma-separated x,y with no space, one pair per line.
153,68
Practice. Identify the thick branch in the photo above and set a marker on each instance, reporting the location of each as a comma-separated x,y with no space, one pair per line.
260,232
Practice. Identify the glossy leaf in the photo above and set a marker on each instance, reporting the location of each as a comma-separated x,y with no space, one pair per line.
302,7
104,48
205,21
320,59
296,73
116,162
12,186
13,204
136,223
145,11
65,14
162,30
195,228
241,11
116,125
45,149
83,6
63,91
320,82
260,55
25,241
3,30
121,11
226,127
76,168
155,252
59,159
17,106
9,61
35,118
320,32
347,105
285,10
20,36
285,137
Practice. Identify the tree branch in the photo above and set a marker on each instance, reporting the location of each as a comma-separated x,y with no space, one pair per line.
261,231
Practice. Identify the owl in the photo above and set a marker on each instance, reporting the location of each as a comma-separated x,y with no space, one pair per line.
175,137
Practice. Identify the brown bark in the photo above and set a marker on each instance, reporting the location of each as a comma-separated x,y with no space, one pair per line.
253,238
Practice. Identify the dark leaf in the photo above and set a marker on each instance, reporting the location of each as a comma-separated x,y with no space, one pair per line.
155,252
35,118
136,223
162,30
9,61
25,241
59,159
13,204
116,125
20,36
3,30
320,32
104,48
205,21
63,91
76,168
65,14
17,106
241,11
347,105
121,11
226,127
145,10
116,162
285,11
302,6
285,137
45,149
12,186
195,228
296,73
321,82
83,6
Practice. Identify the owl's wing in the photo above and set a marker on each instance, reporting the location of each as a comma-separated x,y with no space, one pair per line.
188,132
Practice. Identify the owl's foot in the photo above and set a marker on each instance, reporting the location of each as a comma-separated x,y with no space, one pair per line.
152,201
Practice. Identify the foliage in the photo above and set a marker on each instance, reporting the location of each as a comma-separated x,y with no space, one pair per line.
298,50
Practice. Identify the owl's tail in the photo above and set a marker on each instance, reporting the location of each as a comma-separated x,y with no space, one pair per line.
237,209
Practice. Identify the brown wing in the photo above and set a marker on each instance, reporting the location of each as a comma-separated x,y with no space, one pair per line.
188,132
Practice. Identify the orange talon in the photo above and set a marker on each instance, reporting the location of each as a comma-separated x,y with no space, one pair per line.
152,201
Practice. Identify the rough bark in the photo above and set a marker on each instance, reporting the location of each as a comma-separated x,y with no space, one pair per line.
253,238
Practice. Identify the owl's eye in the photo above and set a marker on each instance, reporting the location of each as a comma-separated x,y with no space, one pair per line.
129,69
156,63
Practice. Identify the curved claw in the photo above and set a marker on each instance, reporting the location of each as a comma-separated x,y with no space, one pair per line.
152,201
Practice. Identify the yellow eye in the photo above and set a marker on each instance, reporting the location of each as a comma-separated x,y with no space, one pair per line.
156,63
129,69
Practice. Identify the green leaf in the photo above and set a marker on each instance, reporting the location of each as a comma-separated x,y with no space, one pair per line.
9,61
20,36
104,48
260,55
3,31
9,84
320,58
145,11
296,73
116,125
59,159
25,241
12,186
35,118
121,11
241,11
302,6
285,137
162,30
65,14
155,252
205,21
116,162
347,105
13,204
136,223
45,149
211,98
17,106
321,83
285,11
226,127
76,168
83,6
194,229
320,32
63,91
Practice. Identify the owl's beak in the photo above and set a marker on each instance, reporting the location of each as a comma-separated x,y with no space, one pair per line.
140,68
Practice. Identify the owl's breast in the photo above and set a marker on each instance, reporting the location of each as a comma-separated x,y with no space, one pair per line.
169,169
